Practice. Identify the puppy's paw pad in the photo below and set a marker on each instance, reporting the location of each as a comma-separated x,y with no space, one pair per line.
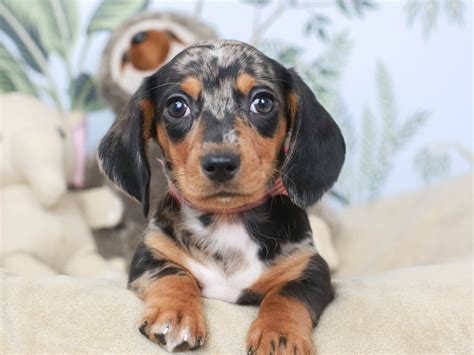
175,330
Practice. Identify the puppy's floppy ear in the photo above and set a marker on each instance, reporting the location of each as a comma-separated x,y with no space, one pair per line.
316,149
122,151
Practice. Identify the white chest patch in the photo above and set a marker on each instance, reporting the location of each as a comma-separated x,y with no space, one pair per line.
232,242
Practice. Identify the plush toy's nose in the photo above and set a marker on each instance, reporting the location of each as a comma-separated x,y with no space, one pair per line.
220,167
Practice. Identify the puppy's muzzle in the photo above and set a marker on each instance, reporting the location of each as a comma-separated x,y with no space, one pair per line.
220,167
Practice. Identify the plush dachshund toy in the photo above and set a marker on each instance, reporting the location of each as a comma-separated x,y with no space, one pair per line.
246,148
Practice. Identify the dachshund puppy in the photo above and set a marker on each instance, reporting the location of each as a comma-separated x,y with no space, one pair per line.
246,148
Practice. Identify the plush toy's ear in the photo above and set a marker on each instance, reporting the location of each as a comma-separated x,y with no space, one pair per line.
316,149
122,152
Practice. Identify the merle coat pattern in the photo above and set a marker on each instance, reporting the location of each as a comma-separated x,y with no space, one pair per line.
232,124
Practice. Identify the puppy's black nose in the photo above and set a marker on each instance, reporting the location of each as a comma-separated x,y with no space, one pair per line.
220,167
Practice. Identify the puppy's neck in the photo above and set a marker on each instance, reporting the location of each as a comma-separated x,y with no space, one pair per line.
277,189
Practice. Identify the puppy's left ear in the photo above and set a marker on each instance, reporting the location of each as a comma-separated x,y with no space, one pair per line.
316,149
122,151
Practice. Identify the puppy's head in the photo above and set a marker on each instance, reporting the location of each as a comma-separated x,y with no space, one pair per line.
229,121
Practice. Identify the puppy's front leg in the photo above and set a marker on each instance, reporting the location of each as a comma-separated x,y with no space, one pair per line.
173,314
295,292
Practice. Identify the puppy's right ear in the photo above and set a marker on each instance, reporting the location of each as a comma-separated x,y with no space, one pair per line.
122,153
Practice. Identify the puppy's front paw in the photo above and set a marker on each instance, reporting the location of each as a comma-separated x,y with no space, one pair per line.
175,326
265,338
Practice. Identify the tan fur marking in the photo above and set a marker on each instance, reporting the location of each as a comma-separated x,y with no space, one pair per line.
278,317
173,300
192,142
292,102
185,156
245,83
176,301
162,138
141,283
276,307
284,270
164,248
192,86
259,158
262,167
258,166
148,112
171,286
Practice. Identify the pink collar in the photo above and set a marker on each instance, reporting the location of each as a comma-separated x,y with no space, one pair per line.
278,189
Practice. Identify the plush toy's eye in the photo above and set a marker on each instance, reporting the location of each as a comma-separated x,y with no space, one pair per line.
178,108
262,103
138,38
61,133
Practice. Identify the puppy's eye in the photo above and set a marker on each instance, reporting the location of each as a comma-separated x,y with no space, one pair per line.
262,104
177,108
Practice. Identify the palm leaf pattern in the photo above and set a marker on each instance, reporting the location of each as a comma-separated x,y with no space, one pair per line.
18,23
33,30
110,13
58,22
12,76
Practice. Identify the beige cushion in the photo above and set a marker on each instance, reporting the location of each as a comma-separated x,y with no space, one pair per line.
422,309
408,309
421,228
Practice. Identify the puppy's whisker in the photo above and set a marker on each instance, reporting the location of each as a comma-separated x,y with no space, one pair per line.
163,85
277,80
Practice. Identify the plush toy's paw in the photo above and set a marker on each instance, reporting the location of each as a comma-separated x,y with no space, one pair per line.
281,338
175,327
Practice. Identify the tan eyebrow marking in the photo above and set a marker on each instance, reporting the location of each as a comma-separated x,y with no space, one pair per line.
245,82
192,86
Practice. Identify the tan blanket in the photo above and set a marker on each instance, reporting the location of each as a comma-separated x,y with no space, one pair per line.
425,227
422,309
409,309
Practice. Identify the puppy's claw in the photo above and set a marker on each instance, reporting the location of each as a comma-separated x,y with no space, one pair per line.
141,329
181,347
186,336
175,327
272,346
160,337
199,343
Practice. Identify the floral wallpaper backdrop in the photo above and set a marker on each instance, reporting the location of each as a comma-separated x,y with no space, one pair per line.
396,75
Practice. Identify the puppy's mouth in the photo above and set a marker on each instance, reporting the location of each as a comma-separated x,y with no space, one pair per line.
219,196
226,190
225,194
223,199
